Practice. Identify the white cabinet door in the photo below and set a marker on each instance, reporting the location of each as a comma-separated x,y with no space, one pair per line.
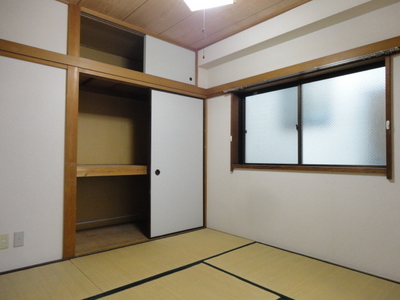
176,163
169,61
42,24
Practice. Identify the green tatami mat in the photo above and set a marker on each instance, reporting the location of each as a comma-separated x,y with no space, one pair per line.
198,282
55,281
299,277
116,268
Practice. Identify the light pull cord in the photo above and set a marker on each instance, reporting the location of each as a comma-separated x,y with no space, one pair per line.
204,33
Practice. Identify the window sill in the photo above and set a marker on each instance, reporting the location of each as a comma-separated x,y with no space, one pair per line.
316,169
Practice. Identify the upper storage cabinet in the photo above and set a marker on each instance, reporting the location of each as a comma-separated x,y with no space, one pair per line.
42,24
111,43
114,44
169,61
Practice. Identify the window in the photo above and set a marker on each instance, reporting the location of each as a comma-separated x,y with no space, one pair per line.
331,121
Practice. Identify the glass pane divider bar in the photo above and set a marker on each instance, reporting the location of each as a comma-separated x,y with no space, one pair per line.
300,124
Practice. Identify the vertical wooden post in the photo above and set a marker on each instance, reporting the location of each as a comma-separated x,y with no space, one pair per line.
71,132
74,30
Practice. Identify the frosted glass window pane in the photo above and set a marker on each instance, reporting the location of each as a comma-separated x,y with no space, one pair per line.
271,135
344,120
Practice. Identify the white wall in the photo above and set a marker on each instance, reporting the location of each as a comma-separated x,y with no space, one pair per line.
32,118
251,40
37,23
351,220
332,32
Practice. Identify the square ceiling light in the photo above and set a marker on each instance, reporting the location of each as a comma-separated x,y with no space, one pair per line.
204,4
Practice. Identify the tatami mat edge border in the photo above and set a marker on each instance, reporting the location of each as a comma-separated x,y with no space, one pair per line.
169,272
282,297
330,263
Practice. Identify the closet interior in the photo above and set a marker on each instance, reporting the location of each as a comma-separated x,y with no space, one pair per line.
113,187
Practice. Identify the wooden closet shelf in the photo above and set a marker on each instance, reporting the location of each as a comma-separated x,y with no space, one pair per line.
110,170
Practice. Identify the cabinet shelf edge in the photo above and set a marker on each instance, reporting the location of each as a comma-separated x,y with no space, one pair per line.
110,170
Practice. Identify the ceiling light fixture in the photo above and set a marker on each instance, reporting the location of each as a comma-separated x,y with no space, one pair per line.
204,4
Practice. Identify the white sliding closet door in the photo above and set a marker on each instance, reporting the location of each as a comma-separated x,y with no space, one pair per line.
32,133
177,158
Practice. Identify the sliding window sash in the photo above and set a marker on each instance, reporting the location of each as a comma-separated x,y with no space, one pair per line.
237,140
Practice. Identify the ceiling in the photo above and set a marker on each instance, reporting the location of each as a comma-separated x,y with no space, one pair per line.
172,20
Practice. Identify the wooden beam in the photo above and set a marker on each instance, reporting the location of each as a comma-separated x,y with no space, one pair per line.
28,53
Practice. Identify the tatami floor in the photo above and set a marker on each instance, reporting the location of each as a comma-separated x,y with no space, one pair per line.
203,264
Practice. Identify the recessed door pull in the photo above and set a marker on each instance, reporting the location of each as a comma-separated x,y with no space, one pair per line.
157,172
